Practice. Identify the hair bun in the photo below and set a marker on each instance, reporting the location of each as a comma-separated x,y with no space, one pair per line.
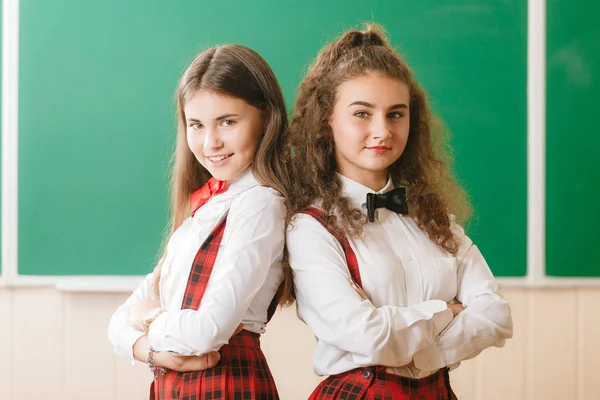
358,39
371,39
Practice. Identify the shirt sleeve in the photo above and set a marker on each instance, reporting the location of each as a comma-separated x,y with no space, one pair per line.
386,335
121,334
486,320
256,225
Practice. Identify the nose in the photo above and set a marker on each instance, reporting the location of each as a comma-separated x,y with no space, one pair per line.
212,139
380,128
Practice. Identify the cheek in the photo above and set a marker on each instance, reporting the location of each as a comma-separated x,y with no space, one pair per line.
247,143
348,146
401,133
350,133
193,142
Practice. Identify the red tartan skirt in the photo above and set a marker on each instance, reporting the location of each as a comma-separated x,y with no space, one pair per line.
242,373
374,383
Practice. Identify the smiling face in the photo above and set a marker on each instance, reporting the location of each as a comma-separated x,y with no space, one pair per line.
370,124
222,132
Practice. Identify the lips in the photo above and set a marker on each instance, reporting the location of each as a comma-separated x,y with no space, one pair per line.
219,157
378,149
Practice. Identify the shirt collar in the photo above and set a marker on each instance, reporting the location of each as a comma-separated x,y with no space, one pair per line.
357,193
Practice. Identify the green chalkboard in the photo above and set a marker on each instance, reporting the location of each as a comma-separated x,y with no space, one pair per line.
97,125
573,140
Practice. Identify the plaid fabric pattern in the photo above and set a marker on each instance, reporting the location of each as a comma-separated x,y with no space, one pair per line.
351,260
242,372
374,383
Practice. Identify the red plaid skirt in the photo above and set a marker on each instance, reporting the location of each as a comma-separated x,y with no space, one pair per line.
242,373
374,383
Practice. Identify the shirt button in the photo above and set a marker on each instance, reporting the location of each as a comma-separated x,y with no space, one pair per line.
409,258
366,374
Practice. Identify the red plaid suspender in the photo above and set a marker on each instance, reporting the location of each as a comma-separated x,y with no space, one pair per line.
349,253
202,267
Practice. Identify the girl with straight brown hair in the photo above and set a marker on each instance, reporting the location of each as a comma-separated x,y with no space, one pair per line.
196,320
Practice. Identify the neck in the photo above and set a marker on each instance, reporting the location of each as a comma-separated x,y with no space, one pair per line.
374,180
240,176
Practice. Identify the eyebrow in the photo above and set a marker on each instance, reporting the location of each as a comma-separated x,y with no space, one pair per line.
369,105
219,118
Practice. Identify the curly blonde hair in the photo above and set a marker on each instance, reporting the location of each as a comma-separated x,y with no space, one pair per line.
433,194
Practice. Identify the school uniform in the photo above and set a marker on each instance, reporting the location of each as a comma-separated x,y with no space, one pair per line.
401,343
223,267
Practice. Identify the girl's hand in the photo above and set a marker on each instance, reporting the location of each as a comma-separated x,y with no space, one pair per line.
189,363
140,311
172,361
238,329
456,308
186,363
177,362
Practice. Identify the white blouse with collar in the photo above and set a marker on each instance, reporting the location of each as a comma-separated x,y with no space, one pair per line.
245,277
409,281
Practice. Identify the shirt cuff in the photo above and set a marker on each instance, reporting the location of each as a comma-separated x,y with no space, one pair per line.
435,310
434,357
469,349
431,358
128,338
443,318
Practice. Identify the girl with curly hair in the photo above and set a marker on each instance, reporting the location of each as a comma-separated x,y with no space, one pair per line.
394,291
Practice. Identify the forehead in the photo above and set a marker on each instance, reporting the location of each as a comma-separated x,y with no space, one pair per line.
373,88
209,104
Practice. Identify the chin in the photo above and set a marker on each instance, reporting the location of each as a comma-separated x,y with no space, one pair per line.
225,175
221,175
377,167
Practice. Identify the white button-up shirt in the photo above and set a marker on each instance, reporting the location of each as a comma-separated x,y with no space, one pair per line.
409,281
246,274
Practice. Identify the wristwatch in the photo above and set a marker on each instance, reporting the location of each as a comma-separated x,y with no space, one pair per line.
150,317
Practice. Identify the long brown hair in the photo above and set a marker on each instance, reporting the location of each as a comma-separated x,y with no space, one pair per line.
242,73
423,167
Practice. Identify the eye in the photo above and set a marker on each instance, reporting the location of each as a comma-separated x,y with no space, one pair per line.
196,125
395,115
228,122
361,114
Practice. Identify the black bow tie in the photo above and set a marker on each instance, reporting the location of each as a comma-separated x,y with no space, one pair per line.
394,200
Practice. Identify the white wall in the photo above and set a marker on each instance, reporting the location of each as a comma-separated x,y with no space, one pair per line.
53,346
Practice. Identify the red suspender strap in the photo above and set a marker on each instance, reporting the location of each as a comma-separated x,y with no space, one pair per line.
319,215
203,266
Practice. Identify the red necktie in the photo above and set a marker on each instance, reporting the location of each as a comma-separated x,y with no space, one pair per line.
201,196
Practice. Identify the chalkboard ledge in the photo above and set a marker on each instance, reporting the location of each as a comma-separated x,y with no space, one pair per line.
127,284
99,284
549,282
